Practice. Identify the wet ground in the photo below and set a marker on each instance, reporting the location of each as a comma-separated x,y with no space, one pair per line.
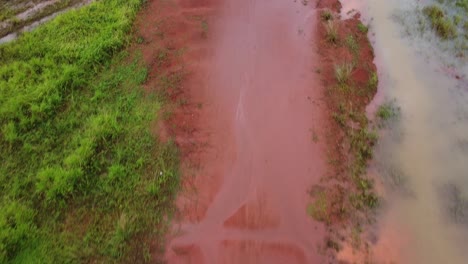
263,104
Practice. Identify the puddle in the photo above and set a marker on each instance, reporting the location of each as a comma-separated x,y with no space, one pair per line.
261,81
421,158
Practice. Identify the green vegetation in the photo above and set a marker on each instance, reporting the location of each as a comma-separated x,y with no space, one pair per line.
363,28
343,72
462,4
6,13
352,44
319,208
373,81
326,15
442,25
331,32
81,177
347,196
387,111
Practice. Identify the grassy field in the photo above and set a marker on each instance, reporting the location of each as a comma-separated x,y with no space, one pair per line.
81,177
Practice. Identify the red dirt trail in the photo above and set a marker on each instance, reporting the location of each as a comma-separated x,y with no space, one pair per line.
251,135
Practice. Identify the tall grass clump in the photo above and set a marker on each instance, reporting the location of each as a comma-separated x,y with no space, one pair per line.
343,72
441,24
331,32
81,177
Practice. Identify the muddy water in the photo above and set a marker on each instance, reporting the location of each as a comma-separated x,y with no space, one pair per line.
422,158
261,85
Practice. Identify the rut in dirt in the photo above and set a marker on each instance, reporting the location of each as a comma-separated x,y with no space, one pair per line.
262,118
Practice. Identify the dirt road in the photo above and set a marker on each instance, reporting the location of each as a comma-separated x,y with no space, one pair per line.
256,143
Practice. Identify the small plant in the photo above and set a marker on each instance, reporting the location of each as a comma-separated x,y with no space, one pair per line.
340,119
352,44
433,12
162,57
326,15
373,81
140,40
319,208
331,32
387,111
456,20
343,72
363,28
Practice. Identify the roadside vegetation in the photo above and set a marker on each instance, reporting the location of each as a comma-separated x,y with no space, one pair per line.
346,197
82,178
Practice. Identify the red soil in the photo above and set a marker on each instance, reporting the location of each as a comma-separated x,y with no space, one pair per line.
249,115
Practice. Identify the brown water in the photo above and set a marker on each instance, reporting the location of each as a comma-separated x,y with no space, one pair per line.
263,103
422,159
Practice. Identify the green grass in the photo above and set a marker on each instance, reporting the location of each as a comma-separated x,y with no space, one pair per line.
81,177
387,111
352,44
6,13
363,28
318,209
442,25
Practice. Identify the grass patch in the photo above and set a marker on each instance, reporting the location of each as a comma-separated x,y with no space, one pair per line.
318,209
441,24
6,13
343,72
326,15
363,28
352,44
347,196
81,177
387,111
373,81
331,32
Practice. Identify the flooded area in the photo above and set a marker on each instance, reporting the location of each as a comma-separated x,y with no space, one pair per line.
422,157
